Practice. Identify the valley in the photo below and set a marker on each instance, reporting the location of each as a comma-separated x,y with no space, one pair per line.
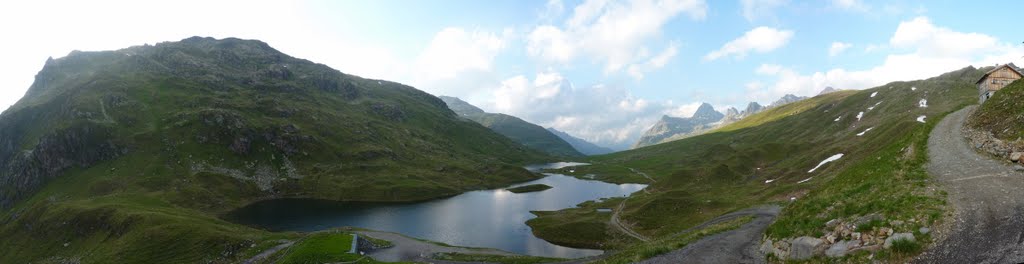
227,150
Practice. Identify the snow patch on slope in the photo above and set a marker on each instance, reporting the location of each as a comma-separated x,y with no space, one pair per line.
829,159
865,131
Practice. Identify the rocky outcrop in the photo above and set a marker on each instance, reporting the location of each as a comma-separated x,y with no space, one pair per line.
986,142
786,99
806,247
705,119
80,145
678,127
898,236
828,90
842,238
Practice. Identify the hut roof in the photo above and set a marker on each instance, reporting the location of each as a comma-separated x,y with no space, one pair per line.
1008,65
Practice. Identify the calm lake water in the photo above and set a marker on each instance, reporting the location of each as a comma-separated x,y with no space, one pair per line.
489,218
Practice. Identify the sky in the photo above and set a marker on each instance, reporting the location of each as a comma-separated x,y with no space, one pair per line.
604,71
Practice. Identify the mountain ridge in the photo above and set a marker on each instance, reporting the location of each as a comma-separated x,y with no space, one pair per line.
137,151
706,118
582,145
526,133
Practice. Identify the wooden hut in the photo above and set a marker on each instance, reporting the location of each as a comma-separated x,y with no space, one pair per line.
996,79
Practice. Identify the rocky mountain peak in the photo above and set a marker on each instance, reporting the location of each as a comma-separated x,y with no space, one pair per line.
752,108
707,112
788,98
732,111
827,90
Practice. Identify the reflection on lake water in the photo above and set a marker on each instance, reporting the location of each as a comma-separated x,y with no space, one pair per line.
488,218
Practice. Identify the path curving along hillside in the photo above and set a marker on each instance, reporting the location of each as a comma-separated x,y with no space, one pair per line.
987,196
733,246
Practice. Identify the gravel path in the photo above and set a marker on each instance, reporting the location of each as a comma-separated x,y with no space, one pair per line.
623,228
269,252
733,246
987,196
409,249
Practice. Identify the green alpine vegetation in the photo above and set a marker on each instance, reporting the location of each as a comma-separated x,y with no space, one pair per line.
131,156
476,258
325,247
1003,114
529,188
778,157
528,134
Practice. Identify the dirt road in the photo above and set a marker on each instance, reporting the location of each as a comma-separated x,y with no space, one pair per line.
987,196
733,246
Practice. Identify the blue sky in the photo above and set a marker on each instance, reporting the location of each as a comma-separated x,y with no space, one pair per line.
601,70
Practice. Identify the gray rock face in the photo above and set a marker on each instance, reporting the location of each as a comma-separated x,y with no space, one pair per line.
828,90
80,145
805,248
840,248
679,127
898,236
788,98
767,247
706,113
731,113
752,108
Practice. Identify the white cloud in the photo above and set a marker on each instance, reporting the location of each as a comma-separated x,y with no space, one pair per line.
922,50
768,69
760,39
637,71
685,110
552,10
609,32
457,62
856,5
606,114
754,9
837,48
454,50
931,40
550,43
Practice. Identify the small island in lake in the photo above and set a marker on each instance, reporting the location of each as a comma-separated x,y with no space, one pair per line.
529,188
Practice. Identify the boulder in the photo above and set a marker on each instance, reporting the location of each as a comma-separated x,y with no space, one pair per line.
806,247
1015,156
831,238
924,230
1018,167
832,223
898,236
841,248
767,247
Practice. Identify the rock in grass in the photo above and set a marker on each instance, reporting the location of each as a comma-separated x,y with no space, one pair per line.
767,247
529,188
841,248
898,236
805,247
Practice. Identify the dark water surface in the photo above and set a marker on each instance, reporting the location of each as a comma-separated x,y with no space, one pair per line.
489,218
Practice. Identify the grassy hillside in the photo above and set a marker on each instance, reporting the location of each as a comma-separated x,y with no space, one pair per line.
766,158
129,156
526,133
1003,114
